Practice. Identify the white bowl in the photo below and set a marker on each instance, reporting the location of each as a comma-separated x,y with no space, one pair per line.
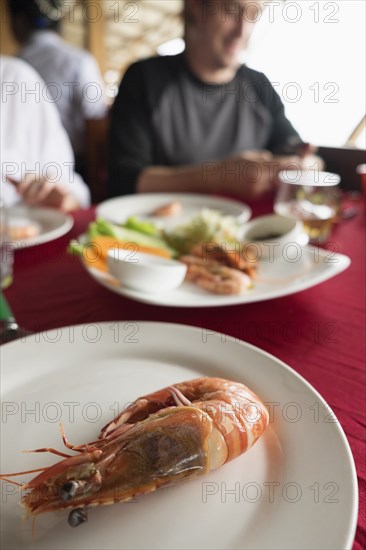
273,236
145,272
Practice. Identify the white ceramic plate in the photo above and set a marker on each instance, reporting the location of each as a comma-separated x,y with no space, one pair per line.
300,269
296,488
52,223
142,205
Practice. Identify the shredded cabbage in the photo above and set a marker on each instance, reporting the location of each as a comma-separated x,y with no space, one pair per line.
208,226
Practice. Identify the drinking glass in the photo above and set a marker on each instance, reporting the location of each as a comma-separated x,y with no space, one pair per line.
312,197
6,249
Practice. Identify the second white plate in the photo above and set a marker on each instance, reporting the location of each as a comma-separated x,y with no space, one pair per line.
142,205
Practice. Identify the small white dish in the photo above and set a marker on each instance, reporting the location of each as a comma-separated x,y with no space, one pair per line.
145,272
273,235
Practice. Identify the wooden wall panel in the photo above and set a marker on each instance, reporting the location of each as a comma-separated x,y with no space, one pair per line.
8,44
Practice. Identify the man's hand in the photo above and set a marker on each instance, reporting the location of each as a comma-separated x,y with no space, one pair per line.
253,173
40,192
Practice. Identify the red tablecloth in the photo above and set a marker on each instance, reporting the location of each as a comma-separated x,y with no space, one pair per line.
319,332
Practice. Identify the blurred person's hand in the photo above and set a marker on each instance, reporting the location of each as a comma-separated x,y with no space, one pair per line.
253,173
41,192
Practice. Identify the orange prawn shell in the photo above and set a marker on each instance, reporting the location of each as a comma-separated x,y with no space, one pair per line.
236,411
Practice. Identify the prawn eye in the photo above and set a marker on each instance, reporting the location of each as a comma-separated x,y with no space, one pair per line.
78,516
68,490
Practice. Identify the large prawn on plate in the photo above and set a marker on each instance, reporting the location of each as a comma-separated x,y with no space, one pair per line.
179,432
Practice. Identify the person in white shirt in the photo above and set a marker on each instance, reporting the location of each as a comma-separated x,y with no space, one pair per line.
37,162
72,75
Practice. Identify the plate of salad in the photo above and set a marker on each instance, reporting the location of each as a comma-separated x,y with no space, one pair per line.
205,233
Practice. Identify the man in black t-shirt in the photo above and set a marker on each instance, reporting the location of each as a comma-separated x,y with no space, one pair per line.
200,121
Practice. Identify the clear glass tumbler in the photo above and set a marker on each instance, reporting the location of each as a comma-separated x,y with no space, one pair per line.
312,197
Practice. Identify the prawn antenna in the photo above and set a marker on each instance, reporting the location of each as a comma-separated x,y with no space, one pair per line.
4,477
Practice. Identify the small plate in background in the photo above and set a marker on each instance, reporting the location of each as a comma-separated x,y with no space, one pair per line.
52,224
142,205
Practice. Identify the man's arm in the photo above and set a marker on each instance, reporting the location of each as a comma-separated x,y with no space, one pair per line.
185,179
54,148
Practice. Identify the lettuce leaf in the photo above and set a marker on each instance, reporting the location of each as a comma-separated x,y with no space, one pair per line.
207,226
